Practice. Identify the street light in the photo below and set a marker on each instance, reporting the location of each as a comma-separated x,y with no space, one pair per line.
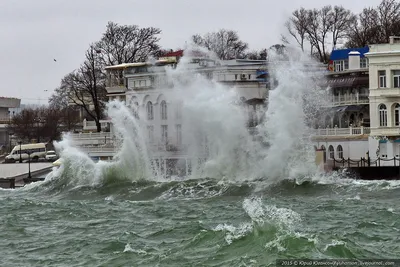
29,163
20,151
10,134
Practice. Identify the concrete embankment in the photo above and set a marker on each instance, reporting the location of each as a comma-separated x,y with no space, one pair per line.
16,174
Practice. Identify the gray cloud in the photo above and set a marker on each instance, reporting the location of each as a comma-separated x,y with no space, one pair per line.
35,32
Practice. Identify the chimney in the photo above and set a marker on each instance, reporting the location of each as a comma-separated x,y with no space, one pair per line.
354,60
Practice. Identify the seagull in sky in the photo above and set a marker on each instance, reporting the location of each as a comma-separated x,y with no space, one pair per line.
55,60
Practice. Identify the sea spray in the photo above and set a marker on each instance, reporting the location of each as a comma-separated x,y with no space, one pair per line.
216,141
292,105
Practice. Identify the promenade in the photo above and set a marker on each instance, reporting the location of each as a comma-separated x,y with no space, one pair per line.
19,171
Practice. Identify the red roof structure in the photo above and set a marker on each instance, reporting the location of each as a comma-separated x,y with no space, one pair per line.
178,53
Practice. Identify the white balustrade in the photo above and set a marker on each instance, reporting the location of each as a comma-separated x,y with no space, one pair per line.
342,131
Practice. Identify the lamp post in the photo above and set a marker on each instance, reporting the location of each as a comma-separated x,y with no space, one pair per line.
38,121
29,164
20,151
9,139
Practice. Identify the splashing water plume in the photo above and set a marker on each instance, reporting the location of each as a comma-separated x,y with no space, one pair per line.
214,130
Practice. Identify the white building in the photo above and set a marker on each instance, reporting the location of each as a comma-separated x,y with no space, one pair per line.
384,79
145,86
6,104
343,126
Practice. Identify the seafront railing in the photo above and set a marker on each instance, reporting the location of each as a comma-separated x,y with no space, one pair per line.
80,136
366,162
343,131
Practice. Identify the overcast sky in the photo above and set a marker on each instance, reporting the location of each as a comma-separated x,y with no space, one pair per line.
34,32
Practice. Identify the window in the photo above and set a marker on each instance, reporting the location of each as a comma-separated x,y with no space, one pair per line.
150,114
249,76
164,134
363,63
150,133
397,115
382,78
163,110
179,134
396,78
331,152
341,65
339,151
382,115
236,76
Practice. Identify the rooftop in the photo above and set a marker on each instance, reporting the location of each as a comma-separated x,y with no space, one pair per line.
341,54
10,102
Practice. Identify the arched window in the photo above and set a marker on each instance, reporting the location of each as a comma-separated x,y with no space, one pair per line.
135,109
397,114
331,152
149,108
163,110
339,151
382,115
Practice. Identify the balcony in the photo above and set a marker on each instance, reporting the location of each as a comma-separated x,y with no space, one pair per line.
5,120
387,92
353,99
115,85
91,125
351,131
385,131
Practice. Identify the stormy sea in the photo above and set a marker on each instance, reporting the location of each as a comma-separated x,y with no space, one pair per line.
249,202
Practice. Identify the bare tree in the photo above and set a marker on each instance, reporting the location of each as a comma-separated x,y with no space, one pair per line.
86,86
364,30
319,26
40,124
297,27
389,18
24,123
375,25
69,114
226,44
127,43
257,55
341,21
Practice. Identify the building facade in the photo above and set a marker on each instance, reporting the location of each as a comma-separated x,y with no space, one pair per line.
384,96
146,89
6,114
343,126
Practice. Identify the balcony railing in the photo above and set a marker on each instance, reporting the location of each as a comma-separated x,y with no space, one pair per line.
5,120
107,149
386,131
111,82
342,131
349,100
92,136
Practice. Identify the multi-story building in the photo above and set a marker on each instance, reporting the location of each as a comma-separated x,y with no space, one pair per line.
6,103
145,88
384,80
343,126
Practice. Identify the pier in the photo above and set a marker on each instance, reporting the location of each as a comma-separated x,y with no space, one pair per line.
16,174
380,168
